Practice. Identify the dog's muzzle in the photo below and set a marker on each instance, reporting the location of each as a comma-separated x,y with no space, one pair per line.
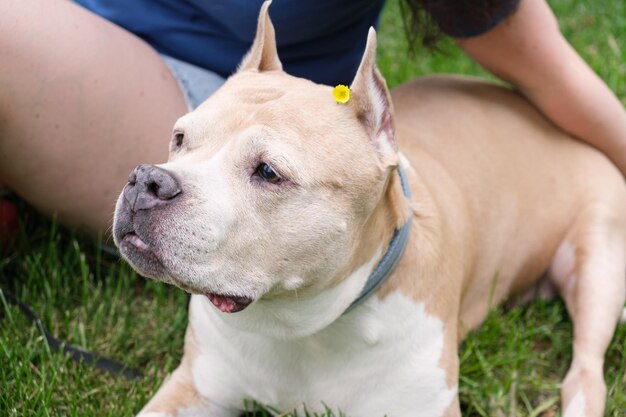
149,191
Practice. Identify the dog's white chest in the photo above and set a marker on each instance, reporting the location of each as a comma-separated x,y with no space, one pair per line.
381,359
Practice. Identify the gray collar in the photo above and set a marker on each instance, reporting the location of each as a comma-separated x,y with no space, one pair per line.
391,258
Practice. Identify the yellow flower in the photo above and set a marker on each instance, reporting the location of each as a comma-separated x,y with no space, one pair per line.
341,94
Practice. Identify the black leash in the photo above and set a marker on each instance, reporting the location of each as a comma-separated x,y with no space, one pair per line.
76,354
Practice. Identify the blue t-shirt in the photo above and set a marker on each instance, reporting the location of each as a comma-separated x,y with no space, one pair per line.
321,40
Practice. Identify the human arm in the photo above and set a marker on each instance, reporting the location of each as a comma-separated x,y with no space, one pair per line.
529,51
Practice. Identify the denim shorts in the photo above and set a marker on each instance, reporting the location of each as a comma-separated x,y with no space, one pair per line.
196,83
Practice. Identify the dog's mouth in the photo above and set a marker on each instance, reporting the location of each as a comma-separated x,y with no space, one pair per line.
228,303
140,255
134,240
132,245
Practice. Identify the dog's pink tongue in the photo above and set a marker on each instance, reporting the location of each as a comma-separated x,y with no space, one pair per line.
228,304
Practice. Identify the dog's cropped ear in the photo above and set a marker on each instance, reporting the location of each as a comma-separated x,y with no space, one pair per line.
372,103
263,55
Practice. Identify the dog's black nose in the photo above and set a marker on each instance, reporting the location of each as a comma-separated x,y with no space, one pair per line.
150,186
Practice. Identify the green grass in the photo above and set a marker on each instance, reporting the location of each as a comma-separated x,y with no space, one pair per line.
512,366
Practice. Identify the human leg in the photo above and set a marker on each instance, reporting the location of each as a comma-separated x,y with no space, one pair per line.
82,101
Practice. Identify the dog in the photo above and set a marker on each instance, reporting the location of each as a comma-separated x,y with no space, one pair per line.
328,267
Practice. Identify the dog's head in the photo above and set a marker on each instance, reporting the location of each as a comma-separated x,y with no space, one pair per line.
269,185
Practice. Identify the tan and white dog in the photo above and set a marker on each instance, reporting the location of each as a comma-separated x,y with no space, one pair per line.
277,203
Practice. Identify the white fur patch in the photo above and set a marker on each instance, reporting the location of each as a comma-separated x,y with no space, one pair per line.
293,283
381,358
193,412
202,412
576,407
404,162
563,265
212,204
623,318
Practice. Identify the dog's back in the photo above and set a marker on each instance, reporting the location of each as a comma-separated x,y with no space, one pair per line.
523,180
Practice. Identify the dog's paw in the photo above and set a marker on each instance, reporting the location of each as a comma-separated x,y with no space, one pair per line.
154,414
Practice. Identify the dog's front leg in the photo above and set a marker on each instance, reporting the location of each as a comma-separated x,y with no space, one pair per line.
178,395
450,363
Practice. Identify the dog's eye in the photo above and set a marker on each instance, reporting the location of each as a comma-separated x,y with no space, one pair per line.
267,173
177,140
